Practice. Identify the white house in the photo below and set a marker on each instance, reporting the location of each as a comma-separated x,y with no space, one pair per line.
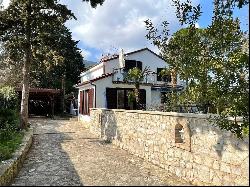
103,86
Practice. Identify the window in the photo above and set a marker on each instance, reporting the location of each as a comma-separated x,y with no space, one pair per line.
166,78
117,98
130,64
120,99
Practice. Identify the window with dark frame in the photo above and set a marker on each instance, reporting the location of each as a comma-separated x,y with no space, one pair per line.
130,64
117,98
120,99
166,78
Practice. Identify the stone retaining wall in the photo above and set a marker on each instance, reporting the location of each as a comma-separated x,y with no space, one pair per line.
184,144
10,168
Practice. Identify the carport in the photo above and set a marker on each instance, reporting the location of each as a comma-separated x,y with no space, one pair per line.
43,101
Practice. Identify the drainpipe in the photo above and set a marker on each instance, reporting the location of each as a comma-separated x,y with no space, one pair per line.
95,91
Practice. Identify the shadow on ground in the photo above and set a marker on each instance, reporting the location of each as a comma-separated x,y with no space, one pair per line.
47,162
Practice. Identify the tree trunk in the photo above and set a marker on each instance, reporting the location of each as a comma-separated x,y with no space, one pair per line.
26,70
174,78
137,95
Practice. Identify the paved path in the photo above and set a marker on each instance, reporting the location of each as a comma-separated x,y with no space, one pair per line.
65,153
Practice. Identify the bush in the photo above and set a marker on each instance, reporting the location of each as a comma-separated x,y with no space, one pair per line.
8,98
8,146
8,109
10,138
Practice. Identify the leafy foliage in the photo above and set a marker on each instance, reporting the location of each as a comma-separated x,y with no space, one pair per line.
8,144
213,61
94,3
34,37
8,113
136,76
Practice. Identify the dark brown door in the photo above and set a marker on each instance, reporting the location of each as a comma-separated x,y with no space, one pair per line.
90,99
81,103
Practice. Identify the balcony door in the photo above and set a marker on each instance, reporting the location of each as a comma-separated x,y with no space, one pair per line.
117,98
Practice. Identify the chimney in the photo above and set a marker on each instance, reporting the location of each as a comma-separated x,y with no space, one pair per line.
121,59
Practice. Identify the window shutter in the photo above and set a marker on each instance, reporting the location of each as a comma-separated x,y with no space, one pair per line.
143,98
90,99
130,64
139,65
81,102
111,97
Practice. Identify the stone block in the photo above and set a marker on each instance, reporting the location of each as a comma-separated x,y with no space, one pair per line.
208,161
241,181
182,164
178,172
216,165
236,170
189,165
225,167
217,181
198,159
204,176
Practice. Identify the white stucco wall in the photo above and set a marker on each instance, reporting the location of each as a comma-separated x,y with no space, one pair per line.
85,87
146,57
93,73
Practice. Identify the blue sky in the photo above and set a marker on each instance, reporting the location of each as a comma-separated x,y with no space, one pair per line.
120,23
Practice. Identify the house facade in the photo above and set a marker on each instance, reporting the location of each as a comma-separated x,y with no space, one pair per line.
105,86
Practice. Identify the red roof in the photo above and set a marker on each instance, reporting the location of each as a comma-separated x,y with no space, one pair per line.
117,56
95,79
143,49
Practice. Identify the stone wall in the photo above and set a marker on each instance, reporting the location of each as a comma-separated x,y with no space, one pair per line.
10,168
184,144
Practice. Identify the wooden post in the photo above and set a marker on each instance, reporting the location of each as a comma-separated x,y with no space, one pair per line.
52,100
63,93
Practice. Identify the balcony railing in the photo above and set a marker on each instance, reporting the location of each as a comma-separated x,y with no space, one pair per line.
120,74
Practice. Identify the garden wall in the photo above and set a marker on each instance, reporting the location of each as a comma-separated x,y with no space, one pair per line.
10,168
184,144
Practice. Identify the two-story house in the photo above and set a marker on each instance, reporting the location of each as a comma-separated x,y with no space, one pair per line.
104,86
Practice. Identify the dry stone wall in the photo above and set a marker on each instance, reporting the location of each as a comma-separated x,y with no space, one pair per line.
184,144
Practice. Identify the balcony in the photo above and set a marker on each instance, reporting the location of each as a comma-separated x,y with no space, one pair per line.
119,77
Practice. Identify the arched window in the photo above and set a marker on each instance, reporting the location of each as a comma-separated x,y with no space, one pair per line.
179,134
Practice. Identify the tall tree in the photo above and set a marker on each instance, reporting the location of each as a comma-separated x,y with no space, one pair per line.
212,60
21,26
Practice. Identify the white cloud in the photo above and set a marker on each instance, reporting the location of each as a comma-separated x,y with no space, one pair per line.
85,53
119,23
5,3
197,25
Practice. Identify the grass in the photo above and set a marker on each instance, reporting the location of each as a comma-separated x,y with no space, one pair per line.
10,144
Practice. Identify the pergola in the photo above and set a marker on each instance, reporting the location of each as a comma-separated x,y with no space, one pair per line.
46,95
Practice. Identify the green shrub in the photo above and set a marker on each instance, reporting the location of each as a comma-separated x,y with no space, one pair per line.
8,109
10,138
8,146
8,98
